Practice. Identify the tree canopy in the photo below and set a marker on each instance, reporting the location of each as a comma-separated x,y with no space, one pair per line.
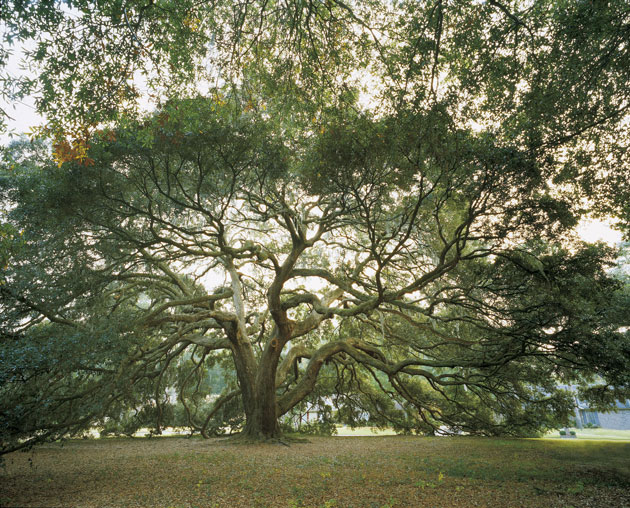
386,190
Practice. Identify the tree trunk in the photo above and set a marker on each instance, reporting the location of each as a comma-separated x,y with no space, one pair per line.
262,410
258,382
261,414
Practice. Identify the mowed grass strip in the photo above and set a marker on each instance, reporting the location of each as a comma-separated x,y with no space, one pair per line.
368,472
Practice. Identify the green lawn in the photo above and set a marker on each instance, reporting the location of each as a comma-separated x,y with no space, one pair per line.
595,434
591,434
348,472
345,431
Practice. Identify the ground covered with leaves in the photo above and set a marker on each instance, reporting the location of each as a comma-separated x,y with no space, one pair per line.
324,472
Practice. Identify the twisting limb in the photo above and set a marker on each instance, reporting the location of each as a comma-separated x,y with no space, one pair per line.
223,398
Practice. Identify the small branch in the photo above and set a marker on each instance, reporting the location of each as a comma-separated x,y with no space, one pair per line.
225,397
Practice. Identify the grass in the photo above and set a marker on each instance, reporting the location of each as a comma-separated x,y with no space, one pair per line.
595,434
357,472
345,431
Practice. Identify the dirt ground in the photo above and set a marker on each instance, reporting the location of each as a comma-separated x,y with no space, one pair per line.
370,472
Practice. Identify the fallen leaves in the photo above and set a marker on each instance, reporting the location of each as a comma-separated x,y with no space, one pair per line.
341,472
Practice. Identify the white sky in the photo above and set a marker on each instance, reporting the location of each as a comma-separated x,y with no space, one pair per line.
591,230
23,114
24,117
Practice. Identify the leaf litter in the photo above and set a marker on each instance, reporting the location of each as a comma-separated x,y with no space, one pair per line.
352,472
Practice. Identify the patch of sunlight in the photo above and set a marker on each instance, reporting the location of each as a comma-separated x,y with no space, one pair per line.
593,435
345,431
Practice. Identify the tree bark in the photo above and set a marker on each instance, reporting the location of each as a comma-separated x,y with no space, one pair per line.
262,418
263,421
258,387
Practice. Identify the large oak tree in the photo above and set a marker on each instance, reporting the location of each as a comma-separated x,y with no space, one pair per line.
384,189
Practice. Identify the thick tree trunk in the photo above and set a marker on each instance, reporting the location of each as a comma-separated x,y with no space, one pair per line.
262,410
261,413
258,394
261,425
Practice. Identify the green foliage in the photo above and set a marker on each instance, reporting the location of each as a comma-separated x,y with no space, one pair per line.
9,242
322,420
424,163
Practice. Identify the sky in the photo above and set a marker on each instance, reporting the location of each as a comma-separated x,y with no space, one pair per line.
23,114
591,230
24,117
